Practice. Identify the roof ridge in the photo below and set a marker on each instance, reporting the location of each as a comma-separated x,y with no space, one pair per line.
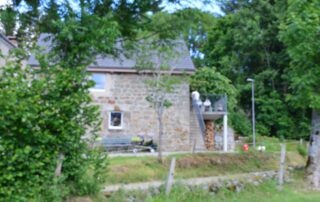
181,63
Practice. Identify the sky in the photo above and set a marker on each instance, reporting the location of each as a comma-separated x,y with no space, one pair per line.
209,7
4,2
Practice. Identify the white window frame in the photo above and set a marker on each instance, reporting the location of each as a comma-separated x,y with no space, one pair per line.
115,127
93,89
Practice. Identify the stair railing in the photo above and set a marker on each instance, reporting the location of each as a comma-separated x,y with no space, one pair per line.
199,116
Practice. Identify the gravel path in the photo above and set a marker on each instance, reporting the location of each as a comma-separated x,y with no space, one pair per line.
191,181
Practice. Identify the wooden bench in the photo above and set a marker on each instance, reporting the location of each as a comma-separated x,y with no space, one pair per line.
124,143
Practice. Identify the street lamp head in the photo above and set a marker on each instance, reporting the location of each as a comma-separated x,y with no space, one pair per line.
250,80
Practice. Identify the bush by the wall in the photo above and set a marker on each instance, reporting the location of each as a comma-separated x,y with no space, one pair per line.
45,112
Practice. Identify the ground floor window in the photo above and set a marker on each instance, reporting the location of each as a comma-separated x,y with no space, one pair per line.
115,120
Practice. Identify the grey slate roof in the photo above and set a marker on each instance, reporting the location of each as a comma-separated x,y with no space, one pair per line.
7,41
182,63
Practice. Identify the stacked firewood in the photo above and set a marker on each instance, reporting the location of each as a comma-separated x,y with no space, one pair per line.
209,135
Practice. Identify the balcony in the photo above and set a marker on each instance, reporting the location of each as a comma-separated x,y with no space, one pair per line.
212,107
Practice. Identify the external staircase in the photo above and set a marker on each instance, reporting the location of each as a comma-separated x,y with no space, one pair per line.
208,107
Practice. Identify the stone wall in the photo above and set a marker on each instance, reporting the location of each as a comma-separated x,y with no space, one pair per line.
127,93
213,185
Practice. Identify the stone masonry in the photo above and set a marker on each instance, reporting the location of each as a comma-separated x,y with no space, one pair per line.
127,93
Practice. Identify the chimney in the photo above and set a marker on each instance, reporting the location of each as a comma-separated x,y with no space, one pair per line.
13,40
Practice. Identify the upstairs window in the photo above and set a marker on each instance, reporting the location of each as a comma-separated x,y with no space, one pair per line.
100,81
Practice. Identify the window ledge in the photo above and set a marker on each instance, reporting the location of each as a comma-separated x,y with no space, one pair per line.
115,128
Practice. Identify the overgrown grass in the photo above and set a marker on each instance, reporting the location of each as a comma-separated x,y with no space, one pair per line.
140,169
296,191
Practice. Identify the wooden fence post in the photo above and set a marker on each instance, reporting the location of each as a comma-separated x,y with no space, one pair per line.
170,176
194,146
59,165
282,165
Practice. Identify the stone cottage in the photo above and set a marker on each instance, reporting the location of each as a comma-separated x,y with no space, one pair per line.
121,93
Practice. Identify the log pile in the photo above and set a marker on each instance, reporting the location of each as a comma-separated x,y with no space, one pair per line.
209,135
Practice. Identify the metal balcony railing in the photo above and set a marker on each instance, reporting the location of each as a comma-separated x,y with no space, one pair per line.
213,103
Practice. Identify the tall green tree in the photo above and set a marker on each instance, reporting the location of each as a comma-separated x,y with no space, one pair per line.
196,25
159,81
154,52
244,43
39,15
52,14
300,31
8,20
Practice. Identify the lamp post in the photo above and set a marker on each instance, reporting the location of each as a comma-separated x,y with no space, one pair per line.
253,113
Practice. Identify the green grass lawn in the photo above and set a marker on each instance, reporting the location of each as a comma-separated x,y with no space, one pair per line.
140,169
272,144
295,191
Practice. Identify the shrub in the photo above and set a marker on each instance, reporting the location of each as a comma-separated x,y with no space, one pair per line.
55,191
240,123
44,113
302,150
94,174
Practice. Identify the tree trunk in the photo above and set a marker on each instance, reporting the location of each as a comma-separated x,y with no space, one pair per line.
313,163
160,159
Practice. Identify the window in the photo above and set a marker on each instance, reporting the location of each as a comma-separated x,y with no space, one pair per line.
100,81
115,120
